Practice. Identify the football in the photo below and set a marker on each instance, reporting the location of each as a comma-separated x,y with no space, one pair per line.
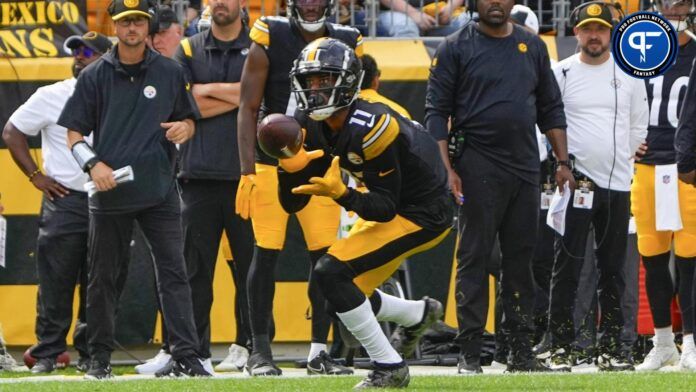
279,136
62,361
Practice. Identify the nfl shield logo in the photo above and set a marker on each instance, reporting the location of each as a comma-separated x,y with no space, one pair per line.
666,179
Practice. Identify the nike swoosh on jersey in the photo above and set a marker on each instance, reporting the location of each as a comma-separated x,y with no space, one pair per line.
385,173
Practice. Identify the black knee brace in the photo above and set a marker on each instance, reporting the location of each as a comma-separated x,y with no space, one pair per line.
335,278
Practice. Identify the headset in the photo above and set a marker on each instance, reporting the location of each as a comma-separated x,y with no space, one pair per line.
573,19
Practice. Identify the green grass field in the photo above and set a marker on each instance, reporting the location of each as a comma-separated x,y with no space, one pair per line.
664,381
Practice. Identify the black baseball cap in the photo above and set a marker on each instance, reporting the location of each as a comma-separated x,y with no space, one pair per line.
90,39
119,9
165,17
595,13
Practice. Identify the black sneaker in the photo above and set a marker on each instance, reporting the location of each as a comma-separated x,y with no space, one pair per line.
99,370
184,367
405,339
395,376
615,363
323,364
468,368
44,366
530,366
82,365
260,365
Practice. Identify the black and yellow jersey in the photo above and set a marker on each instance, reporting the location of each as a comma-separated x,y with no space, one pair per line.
283,42
666,96
397,160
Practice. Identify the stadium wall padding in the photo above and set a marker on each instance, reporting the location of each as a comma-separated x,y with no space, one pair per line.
405,67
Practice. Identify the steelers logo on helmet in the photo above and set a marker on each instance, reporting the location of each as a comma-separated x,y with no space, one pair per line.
310,15
644,45
325,77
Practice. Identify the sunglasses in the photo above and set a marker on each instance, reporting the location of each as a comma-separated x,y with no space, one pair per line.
138,21
84,51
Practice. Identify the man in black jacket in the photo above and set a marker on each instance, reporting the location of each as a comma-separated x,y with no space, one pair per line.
137,104
494,81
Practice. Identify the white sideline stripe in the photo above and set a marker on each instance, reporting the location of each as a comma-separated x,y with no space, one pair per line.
302,373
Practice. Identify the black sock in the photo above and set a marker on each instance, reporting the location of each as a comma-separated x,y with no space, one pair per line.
685,266
659,288
320,318
261,288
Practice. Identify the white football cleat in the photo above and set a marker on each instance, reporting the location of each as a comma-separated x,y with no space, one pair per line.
235,360
659,357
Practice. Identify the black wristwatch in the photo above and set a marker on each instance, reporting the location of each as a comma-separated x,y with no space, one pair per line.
90,164
567,163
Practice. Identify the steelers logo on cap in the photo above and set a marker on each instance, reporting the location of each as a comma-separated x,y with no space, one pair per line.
131,3
594,10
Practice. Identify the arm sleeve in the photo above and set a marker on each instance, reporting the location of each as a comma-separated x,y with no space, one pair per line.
549,102
685,138
639,115
440,94
382,176
184,105
291,202
80,112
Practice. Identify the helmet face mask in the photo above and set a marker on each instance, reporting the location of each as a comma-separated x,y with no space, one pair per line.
310,14
680,13
325,78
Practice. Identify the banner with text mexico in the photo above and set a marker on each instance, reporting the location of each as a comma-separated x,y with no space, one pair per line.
38,28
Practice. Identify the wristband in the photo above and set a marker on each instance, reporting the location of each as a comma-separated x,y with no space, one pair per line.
33,174
84,155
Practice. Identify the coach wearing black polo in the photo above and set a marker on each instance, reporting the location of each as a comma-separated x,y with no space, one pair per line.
136,102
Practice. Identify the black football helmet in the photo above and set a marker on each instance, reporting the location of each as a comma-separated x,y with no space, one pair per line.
682,19
327,57
296,13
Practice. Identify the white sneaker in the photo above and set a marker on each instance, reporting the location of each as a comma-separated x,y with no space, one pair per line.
687,361
8,363
208,366
153,365
235,360
659,357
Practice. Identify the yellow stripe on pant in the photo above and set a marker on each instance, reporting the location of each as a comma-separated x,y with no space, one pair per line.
650,241
366,238
319,219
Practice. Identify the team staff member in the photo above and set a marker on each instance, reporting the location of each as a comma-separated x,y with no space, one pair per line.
166,31
62,242
481,78
370,85
136,102
277,42
607,114
209,167
665,95
405,211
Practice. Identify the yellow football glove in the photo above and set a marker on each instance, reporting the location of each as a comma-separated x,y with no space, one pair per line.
331,185
300,160
245,202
